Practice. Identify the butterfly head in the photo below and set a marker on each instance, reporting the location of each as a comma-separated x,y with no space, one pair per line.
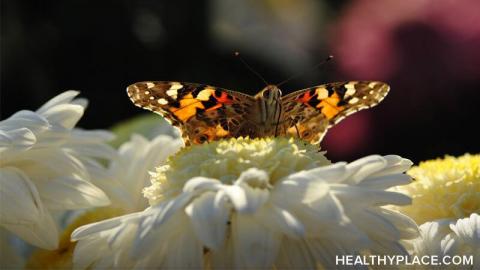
270,94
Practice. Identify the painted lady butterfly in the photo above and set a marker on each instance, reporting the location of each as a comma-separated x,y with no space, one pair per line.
205,113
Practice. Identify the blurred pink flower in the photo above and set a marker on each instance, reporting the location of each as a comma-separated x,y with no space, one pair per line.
427,51
375,39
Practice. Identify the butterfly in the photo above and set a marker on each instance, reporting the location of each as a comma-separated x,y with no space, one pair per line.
205,113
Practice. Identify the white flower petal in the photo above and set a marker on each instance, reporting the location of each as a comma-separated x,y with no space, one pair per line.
253,177
201,183
164,212
48,162
172,246
386,181
364,167
65,115
468,228
63,98
333,174
374,197
222,258
209,219
25,119
294,254
22,211
74,194
104,225
19,139
80,101
101,151
281,220
404,224
255,246
237,196
395,165
431,234
16,189
324,252
87,252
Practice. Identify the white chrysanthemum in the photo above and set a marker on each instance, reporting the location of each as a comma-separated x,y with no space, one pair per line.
127,176
46,165
448,238
263,203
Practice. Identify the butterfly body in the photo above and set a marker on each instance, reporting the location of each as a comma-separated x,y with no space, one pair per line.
205,113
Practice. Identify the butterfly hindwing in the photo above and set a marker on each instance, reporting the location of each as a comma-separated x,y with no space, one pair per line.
310,112
201,112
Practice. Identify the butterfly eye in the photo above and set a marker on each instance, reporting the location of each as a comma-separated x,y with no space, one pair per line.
266,94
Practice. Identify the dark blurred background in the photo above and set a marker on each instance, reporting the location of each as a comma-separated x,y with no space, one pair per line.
428,51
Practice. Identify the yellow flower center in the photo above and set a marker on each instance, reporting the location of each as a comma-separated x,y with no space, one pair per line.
444,188
225,160
61,258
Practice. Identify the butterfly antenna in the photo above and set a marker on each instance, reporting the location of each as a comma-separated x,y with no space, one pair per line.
237,54
330,57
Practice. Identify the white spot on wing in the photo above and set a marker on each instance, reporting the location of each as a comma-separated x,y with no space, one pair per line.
372,84
322,93
350,91
175,86
172,92
205,94
162,101
150,85
353,100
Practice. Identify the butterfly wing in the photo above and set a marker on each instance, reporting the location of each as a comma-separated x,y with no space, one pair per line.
202,112
310,112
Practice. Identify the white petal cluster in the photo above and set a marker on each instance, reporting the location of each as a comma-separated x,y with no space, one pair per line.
449,238
129,173
46,164
299,221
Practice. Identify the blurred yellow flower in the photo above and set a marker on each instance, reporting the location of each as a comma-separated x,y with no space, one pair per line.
447,188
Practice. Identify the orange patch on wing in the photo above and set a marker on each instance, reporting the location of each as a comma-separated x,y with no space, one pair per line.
223,98
212,133
188,108
329,106
220,131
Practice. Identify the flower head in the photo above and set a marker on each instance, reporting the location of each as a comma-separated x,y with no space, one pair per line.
226,160
127,175
263,203
47,164
446,188
447,237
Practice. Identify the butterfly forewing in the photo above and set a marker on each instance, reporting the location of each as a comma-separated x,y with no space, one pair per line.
201,112
310,112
